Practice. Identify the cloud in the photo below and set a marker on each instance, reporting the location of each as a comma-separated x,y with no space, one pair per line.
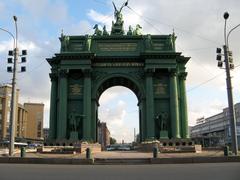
82,27
112,93
207,106
56,11
115,110
2,7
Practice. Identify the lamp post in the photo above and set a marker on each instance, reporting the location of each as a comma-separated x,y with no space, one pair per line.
229,66
15,54
13,99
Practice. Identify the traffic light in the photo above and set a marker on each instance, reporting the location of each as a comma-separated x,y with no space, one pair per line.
9,69
23,69
10,60
10,53
220,64
14,60
230,58
219,50
23,59
219,57
24,52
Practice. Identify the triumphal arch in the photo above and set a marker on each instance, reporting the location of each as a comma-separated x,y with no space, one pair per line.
146,64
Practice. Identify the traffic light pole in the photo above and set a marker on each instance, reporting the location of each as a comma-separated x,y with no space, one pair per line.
13,99
231,109
13,104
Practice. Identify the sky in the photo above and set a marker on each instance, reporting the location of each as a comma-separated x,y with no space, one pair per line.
197,24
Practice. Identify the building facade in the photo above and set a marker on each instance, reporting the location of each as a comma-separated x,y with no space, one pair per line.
29,117
5,108
103,135
45,133
21,125
34,120
215,130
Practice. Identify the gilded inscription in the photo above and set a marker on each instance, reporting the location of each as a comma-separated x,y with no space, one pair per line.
160,89
117,46
158,46
75,89
77,46
120,64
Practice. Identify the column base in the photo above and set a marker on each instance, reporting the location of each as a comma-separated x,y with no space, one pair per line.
164,135
73,135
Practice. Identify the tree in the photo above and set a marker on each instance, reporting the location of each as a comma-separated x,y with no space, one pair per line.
112,140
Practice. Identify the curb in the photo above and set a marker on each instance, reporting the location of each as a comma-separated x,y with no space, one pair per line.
193,160
119,161
18,160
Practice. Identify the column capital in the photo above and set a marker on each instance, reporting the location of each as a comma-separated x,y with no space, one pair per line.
183,75
149,72
87,72
173,72
53,76
63,73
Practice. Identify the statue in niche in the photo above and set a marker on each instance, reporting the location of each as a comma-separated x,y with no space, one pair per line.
148,42
97,31
75,123
161,121
173,40
88,42
130,31
105,33
138,30
64,42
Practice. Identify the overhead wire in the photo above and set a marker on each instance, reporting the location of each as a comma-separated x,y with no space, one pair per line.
207,81
148,22
177,45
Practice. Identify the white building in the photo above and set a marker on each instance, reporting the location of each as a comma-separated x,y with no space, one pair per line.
215,130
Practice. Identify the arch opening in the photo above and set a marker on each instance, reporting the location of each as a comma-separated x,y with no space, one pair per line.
118,109
117,101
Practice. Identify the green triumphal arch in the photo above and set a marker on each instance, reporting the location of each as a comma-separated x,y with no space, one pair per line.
146,64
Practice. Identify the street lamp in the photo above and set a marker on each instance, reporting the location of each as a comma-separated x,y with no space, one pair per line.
229,66
13,99
15,54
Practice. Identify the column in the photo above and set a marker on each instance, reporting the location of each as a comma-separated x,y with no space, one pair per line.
94,119
87,106
150,131
141,124
183,105
174,107
62,106
53,106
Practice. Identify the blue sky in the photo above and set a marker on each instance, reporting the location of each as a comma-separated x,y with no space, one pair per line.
198,25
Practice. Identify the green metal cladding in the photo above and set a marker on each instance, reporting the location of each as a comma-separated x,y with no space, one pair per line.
146,64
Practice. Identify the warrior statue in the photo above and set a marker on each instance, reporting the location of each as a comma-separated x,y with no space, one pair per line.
117,27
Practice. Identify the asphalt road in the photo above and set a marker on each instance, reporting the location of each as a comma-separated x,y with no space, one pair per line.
220,171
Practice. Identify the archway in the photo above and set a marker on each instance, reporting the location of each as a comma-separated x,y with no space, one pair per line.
118,108
124,82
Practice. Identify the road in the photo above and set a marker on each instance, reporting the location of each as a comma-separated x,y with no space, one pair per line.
219,171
